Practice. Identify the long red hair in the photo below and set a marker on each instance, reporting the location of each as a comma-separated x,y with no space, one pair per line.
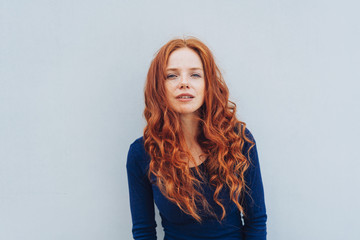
165,142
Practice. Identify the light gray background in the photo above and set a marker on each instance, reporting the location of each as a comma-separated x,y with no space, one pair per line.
71,99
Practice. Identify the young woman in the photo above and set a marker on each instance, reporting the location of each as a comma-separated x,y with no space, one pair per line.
195,160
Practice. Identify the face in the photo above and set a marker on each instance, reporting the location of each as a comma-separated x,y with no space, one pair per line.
185,82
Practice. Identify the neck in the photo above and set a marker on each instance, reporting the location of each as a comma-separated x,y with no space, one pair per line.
189,126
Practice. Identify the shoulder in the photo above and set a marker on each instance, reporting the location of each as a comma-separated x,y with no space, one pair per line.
239,130
249,143
138,144
249,135
137,156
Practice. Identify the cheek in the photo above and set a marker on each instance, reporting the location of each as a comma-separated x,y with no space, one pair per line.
168,92
202,89
167,89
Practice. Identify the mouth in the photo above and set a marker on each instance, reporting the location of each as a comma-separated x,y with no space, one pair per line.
184,99
184,96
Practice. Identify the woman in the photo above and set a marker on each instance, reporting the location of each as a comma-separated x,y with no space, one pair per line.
195,160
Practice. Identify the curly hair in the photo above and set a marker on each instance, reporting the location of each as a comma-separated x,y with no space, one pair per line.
165,142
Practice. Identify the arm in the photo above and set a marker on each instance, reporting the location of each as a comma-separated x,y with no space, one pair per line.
254,202
141,196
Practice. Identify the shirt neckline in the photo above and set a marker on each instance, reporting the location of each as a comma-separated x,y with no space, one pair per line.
201,164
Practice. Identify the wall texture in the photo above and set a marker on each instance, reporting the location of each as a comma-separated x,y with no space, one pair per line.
71,99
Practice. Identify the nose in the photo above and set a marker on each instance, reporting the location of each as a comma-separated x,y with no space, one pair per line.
184,82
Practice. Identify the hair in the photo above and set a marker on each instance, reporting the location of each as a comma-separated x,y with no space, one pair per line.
165,142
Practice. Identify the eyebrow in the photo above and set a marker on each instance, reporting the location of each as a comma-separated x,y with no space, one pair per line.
174,69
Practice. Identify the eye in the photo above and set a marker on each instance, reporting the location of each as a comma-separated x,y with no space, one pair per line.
196,75
170,76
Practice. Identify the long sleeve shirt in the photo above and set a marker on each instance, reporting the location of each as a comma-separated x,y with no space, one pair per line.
180,226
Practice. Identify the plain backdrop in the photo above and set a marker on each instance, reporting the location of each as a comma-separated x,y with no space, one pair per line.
72,74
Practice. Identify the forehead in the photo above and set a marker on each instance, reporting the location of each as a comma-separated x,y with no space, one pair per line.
184,58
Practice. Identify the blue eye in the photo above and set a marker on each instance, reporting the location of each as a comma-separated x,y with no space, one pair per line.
171,76
196,75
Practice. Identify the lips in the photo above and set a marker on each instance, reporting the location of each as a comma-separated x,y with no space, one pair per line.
185,95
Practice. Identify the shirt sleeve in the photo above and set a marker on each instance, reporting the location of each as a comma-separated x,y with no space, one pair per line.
141,196
254,202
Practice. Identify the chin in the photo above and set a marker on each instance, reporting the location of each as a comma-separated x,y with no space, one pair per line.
192,111
186,109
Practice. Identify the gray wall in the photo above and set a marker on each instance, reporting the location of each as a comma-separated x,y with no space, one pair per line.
71,101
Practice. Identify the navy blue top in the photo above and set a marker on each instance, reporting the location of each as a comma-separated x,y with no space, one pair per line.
180,226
